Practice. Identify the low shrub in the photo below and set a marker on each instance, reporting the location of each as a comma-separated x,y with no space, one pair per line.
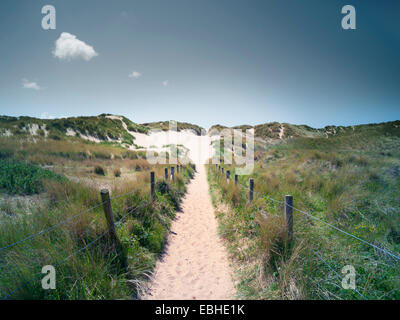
139,164
99,170
20,178
117,172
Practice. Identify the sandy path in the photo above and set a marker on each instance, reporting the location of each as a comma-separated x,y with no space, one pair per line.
195,264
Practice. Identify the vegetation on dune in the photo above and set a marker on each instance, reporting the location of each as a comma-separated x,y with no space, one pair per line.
21,178
277,131
101,270
346,176
215,129
117,172
135,127
165,126
84,269
99,170
49,152
101,127
350,180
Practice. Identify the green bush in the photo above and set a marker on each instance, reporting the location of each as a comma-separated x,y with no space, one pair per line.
99,170
21,178
172,192
156,238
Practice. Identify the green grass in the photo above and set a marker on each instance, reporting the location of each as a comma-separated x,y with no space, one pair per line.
164,126
100,127
34,164
24,179
42,151
350,180
100,271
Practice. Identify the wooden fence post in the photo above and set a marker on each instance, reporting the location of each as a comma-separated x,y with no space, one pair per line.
251,189
289,215
166,173
105,198
228,175
173,173
152,186
236,179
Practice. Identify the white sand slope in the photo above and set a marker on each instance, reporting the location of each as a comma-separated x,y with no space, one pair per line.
195,264
199,147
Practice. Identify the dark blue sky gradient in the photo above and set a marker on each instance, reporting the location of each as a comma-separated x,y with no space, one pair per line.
226,61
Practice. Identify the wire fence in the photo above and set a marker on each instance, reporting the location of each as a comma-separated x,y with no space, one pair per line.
52,227
68,219
251,190
8,295
319,256
63,222
385,251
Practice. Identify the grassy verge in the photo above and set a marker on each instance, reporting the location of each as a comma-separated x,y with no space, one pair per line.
351,182
100,270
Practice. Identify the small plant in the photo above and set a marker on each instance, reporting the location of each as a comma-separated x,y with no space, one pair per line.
139,165
55,136
117,172
99,170
6,207
20,178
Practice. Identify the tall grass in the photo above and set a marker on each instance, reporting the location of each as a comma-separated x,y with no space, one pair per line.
102,270
97,272
350,182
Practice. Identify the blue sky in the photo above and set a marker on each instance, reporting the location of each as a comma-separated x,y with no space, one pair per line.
225,61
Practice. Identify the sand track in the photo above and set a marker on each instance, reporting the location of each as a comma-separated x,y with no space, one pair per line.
195,263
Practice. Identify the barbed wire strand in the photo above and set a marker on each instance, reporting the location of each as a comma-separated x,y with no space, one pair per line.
57,264
76,252
347,233
128,193
52,227
130,211
332,269
396,257
66,220
336,228
261,194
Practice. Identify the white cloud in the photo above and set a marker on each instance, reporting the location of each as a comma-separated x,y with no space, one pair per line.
165,83
68,47
135,74
26,84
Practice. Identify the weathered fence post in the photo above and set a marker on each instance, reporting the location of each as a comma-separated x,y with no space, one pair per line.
228,175
251,190
105,198
152,186
236,179
173,173
289,215
166,173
